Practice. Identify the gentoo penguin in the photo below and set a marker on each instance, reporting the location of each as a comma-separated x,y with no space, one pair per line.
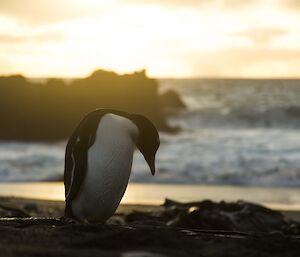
98,161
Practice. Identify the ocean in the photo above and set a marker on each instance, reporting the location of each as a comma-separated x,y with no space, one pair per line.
234,132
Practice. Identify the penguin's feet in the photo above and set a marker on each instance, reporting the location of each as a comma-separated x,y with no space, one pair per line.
69,220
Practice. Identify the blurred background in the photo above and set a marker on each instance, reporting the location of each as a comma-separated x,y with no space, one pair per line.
218,78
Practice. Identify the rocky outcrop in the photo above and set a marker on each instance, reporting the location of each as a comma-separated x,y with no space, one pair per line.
51,110
223,216
171,102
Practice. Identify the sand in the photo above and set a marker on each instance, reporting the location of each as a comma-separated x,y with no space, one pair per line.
34,228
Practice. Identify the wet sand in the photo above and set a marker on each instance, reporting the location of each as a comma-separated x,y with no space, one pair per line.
34,228
155,194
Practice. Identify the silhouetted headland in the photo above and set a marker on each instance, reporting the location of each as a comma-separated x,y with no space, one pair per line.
50,111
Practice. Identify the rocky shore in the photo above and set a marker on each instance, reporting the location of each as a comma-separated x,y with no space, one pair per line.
34,228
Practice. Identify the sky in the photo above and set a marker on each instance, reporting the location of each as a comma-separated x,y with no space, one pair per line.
168,38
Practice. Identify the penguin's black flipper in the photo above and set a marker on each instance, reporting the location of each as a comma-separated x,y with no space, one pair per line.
76,156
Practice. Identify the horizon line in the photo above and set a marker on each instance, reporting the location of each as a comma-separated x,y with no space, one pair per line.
159,77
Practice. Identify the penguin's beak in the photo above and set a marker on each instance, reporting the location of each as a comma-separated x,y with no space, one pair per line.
149,158
151,164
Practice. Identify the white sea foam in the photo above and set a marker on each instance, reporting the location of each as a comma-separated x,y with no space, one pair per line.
31,161
242,132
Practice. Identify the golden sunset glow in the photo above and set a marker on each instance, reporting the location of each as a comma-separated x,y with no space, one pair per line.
218,38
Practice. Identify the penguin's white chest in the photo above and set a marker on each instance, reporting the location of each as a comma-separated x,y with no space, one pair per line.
108,169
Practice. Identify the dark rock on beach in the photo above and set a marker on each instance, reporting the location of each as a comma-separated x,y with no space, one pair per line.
207,215
174,229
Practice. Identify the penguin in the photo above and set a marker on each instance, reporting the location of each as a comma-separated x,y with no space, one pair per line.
98,161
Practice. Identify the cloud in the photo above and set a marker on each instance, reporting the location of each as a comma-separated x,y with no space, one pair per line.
292,4
226,4
244,62
171,3
235,4
262,36
35,38
5,65
41,12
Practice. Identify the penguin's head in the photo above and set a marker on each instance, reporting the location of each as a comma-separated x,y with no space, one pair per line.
148,139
